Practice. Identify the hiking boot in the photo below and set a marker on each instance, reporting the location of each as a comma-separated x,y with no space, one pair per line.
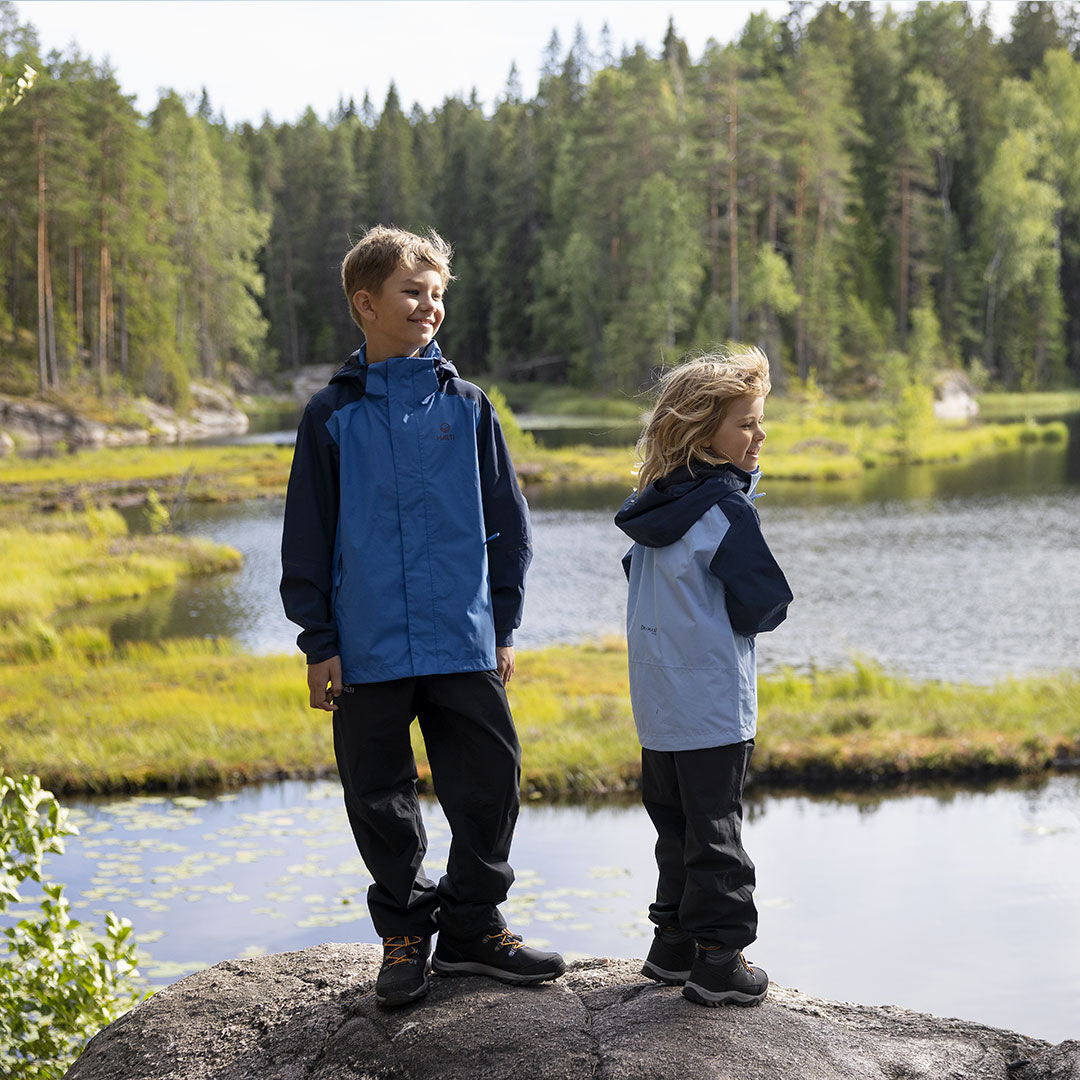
671,956
499,954
720,976
403,976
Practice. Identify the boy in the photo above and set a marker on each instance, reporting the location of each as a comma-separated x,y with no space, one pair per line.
404,551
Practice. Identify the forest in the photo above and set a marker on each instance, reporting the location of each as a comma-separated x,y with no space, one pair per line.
868,195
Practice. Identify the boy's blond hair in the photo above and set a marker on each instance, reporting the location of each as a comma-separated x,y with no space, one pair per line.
692,400
384,249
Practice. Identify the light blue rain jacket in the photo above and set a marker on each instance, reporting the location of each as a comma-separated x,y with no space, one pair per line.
702,583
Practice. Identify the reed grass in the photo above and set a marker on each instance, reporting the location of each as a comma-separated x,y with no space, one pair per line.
194,713
71,560
810,446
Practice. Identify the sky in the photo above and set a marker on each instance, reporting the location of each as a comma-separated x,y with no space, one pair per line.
277,57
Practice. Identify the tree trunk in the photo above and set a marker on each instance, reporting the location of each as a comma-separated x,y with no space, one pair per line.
905,230
800,271
43,370
290,307
123,329
80,320
103,308
50,325
991,310
733,205
817,276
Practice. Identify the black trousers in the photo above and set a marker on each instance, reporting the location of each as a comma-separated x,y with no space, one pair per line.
706,879
475,761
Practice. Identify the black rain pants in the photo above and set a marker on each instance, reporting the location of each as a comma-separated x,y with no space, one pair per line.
706,879
475,761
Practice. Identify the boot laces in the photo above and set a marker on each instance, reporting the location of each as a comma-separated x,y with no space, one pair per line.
504,939
739,956
400,950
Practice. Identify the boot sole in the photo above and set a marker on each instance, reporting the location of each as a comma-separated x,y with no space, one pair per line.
710,998
661,975
398,998
471,967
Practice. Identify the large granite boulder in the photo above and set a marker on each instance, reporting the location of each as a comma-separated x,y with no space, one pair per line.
312,1015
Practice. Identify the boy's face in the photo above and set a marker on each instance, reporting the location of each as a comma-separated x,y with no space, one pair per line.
738,437
404,315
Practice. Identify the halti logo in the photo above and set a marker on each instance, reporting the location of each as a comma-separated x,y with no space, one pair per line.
447,435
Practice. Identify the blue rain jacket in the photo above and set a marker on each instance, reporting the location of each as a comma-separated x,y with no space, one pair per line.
702,583
406,537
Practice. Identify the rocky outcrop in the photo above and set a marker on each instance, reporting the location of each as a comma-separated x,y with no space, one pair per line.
40,424
954,397
311,1015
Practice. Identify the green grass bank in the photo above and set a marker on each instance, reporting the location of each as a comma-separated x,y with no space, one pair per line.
194,713
810,448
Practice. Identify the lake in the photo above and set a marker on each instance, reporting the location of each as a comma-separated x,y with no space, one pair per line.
958,573
959,903
956,902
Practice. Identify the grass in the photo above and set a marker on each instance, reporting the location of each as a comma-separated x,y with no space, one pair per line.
192,713
810,447
72,559
118,475
1040,405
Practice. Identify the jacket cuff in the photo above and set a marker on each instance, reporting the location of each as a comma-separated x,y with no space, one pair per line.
504,640
325,653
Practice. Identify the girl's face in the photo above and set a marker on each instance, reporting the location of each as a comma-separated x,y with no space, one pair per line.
738,437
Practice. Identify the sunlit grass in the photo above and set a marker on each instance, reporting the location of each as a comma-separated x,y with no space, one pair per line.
1040,405
199,473
819,444
190,713
77,559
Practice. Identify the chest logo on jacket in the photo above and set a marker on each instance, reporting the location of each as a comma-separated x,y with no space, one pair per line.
445,435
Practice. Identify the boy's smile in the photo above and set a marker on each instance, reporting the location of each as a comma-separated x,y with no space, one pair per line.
404,315
738,437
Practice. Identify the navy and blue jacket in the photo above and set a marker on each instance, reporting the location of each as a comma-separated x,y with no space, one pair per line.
406,537
702,584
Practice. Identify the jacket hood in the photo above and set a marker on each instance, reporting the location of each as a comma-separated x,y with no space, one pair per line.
355,368
663,512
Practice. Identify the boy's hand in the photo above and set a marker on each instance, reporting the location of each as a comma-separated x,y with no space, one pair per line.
504,663
324,683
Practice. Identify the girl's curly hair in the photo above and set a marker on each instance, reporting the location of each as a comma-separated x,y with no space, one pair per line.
691,401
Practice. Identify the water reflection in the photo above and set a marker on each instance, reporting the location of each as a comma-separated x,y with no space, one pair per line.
956,573
961,903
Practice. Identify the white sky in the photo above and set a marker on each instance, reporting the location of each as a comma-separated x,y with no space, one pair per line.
279,56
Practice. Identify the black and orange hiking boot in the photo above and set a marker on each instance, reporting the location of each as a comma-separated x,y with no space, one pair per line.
403,976
671,956
499,954
721,976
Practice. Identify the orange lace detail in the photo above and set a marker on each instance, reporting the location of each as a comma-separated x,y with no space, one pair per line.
400,950
504,939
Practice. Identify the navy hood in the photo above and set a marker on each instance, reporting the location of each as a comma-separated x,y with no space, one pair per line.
663,512
356,367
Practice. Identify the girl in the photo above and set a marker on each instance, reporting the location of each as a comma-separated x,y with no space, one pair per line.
702,583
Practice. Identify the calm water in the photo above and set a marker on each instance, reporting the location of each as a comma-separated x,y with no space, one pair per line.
955,574
961,904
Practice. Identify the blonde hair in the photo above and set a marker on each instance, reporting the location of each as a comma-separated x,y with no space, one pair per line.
692,400
384,249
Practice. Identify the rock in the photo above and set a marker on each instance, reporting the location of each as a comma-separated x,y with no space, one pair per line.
40,424
309,380
312,1015
954,397
7,444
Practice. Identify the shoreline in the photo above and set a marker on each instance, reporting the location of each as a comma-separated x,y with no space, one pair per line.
199,715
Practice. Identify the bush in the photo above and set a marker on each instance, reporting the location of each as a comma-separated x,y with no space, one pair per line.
58,986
